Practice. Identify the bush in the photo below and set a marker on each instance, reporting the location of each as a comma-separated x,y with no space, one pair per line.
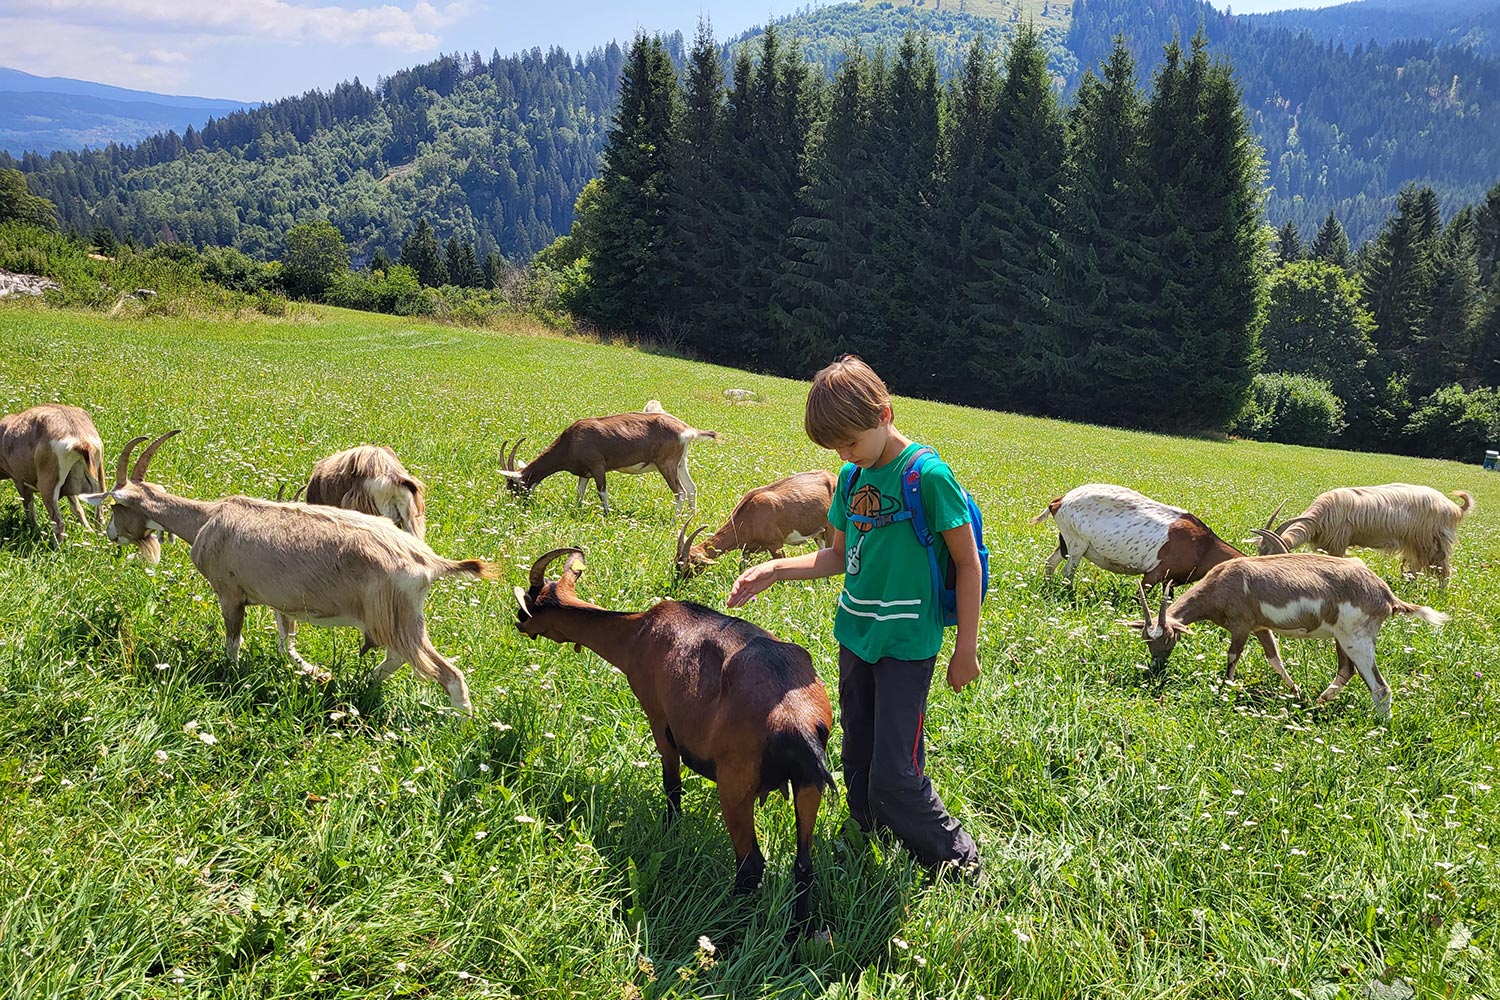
1290,409
235,270
395,290
1452,423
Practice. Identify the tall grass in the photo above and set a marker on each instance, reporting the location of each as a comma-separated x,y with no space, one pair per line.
170,826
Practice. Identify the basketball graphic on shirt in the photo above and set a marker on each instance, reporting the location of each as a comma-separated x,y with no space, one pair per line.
867,501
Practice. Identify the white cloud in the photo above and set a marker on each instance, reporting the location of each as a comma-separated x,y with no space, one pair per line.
411,28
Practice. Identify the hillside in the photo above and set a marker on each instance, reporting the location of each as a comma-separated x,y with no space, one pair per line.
170,824
1471,23
496,151
47,113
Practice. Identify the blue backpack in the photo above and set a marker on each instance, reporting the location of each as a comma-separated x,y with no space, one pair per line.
944,580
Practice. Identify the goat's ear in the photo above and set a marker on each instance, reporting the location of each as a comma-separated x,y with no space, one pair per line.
94,499
521,600
1139,626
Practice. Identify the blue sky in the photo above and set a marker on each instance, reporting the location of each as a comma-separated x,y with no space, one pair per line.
265,49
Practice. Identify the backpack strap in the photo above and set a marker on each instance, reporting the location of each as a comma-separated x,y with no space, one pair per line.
911,498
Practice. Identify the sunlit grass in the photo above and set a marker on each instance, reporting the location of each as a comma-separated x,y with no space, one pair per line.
170,826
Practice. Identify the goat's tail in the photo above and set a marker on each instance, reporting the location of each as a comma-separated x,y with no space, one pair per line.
1422,611
1051,511
797,756
472,567
694,434
1466,502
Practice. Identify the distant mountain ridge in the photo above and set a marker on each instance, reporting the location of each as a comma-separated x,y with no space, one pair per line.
45,113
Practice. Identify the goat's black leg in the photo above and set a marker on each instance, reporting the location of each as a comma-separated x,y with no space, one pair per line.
671,773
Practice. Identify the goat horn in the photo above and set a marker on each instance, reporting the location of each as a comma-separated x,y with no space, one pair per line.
1166,598
297,497
1275,514
1274,538
125,459
281,493
1300,519
1140,593
681,538
138,474
539,568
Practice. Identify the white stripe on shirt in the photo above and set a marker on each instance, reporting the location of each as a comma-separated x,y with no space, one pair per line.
883,604
877,617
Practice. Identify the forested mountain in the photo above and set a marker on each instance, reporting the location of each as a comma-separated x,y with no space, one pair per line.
495,152
1343,128
1471,23
49,112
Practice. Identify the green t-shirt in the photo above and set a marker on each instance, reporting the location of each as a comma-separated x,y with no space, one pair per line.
888,607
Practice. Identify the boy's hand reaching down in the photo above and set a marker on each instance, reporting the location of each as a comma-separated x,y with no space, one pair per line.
963,668
751,582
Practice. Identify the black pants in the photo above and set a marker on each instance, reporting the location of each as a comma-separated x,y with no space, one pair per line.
882,707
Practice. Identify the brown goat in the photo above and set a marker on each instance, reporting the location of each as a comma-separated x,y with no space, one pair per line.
624,442
724,696
767,519
371,480
53,450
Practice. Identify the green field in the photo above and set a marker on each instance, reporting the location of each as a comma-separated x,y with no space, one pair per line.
170,826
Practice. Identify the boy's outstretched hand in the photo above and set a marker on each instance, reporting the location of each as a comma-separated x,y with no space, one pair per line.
963,668
751,582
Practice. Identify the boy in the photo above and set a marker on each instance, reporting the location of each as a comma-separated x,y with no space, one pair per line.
888,623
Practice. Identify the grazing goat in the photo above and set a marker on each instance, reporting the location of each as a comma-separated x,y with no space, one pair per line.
1304,596
371,480
322,565
736,704
768,518
1127,532
53,450
623,442
1417,521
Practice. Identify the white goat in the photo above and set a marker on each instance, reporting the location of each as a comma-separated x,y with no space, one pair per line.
624,442
1304,596
1129,533
1416,521
371,480
53,450
322,565
767,519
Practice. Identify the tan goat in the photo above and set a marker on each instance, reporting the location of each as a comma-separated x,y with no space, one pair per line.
623,442
322,565
371,480
767,519
1416,521
53,450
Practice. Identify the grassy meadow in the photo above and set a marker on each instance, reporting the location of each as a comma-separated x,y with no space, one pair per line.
172,827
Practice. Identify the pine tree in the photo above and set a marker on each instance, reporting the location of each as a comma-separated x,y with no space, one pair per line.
423,255
1013,231
1398,276
453,262
631,288
1289,243
1103,305
695,252
818,298
1332,244
1440,355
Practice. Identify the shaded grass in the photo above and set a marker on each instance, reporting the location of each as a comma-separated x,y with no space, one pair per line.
1144,836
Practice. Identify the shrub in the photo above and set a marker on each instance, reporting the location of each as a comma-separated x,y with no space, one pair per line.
1290,409
1452,423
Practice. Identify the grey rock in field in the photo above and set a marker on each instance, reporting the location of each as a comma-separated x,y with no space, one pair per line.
741,396
1397,989
24,284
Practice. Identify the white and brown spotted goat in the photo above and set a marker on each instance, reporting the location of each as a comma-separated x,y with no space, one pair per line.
322,565
722,695
1417,521
53,450
789,511
1126,532
1303,596
623,442
371,480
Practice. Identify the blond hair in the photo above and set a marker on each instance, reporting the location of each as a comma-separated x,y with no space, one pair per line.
847,398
